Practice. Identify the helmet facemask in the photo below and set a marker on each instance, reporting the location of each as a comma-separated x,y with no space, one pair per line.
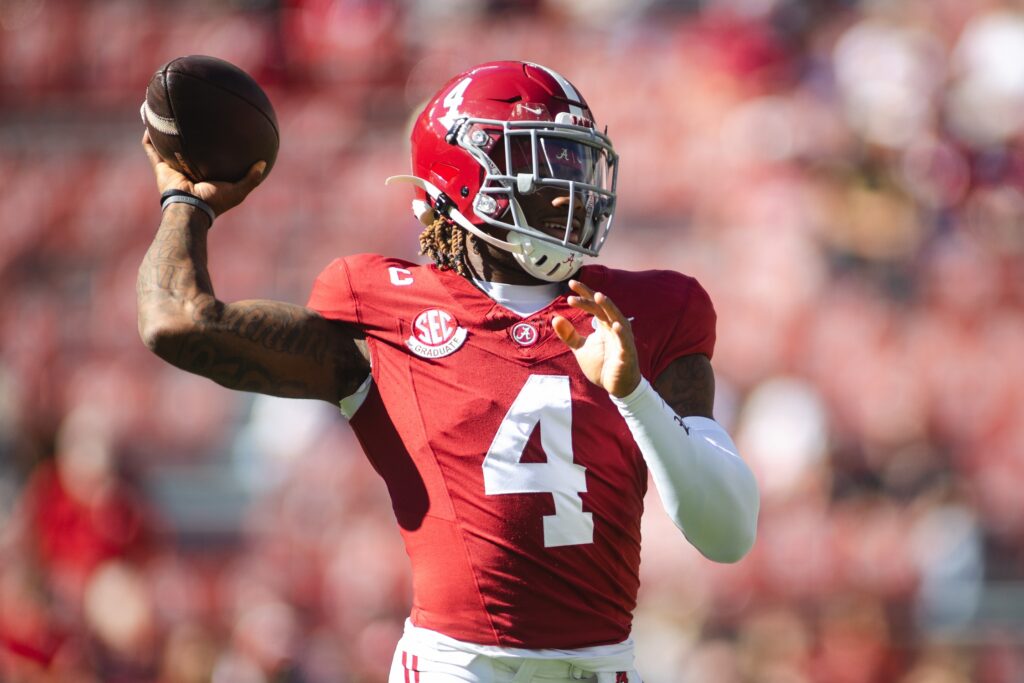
523,157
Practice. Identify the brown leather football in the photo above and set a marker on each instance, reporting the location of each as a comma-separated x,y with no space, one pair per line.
209,119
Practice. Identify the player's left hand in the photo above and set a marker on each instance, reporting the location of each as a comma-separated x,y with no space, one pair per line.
608,356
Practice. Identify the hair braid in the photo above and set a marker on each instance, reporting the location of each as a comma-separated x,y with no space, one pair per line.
445,243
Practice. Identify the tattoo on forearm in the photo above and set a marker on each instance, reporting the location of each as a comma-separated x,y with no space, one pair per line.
167,276
170,266
168,245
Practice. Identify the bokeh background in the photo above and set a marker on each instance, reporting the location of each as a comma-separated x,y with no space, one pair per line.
844,177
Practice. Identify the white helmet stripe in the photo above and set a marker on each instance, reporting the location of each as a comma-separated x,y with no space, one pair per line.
570,92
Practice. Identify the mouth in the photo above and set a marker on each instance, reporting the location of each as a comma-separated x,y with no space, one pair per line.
556,228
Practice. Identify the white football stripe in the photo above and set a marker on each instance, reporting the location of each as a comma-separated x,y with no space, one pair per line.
570,92
160,123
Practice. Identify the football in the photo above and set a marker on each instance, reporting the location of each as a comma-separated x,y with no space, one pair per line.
209,119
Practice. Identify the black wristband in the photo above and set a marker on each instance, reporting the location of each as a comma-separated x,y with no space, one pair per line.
180,196
175,193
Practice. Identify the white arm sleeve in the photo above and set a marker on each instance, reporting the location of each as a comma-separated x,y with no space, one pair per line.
707,489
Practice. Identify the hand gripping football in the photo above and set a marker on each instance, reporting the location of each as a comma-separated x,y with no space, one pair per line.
209,119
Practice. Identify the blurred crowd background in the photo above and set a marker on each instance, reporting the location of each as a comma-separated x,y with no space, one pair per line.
844,177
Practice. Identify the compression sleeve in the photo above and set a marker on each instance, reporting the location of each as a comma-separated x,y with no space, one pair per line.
707,489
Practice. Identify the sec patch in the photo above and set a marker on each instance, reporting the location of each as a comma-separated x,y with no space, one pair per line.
435,333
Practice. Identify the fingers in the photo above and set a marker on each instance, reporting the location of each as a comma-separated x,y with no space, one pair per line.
597,304
586,305
567,333
147,145
585,300
166,177
223,195
581,289
254,177
625,336
614,315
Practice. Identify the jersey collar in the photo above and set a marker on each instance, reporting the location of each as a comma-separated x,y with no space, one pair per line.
479,306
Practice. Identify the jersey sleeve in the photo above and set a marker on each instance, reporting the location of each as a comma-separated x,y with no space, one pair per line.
332,295
365,290
334,298
693,317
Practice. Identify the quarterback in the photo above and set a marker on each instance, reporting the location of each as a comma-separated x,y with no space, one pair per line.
512,398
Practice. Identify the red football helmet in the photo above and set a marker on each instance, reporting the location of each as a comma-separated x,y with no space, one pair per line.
507,129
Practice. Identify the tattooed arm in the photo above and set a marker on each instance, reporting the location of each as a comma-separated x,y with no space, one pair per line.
269,347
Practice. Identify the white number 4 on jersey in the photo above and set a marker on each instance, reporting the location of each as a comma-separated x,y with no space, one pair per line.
543,400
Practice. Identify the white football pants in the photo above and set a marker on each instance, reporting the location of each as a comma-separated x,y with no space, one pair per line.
419,660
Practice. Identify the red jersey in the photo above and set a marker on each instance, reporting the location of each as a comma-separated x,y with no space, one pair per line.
517,485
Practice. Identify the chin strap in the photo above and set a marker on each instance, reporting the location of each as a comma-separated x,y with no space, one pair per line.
545,261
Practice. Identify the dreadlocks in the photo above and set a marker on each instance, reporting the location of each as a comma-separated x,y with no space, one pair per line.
445,243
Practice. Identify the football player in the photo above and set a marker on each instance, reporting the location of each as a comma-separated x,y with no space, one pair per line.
512,398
